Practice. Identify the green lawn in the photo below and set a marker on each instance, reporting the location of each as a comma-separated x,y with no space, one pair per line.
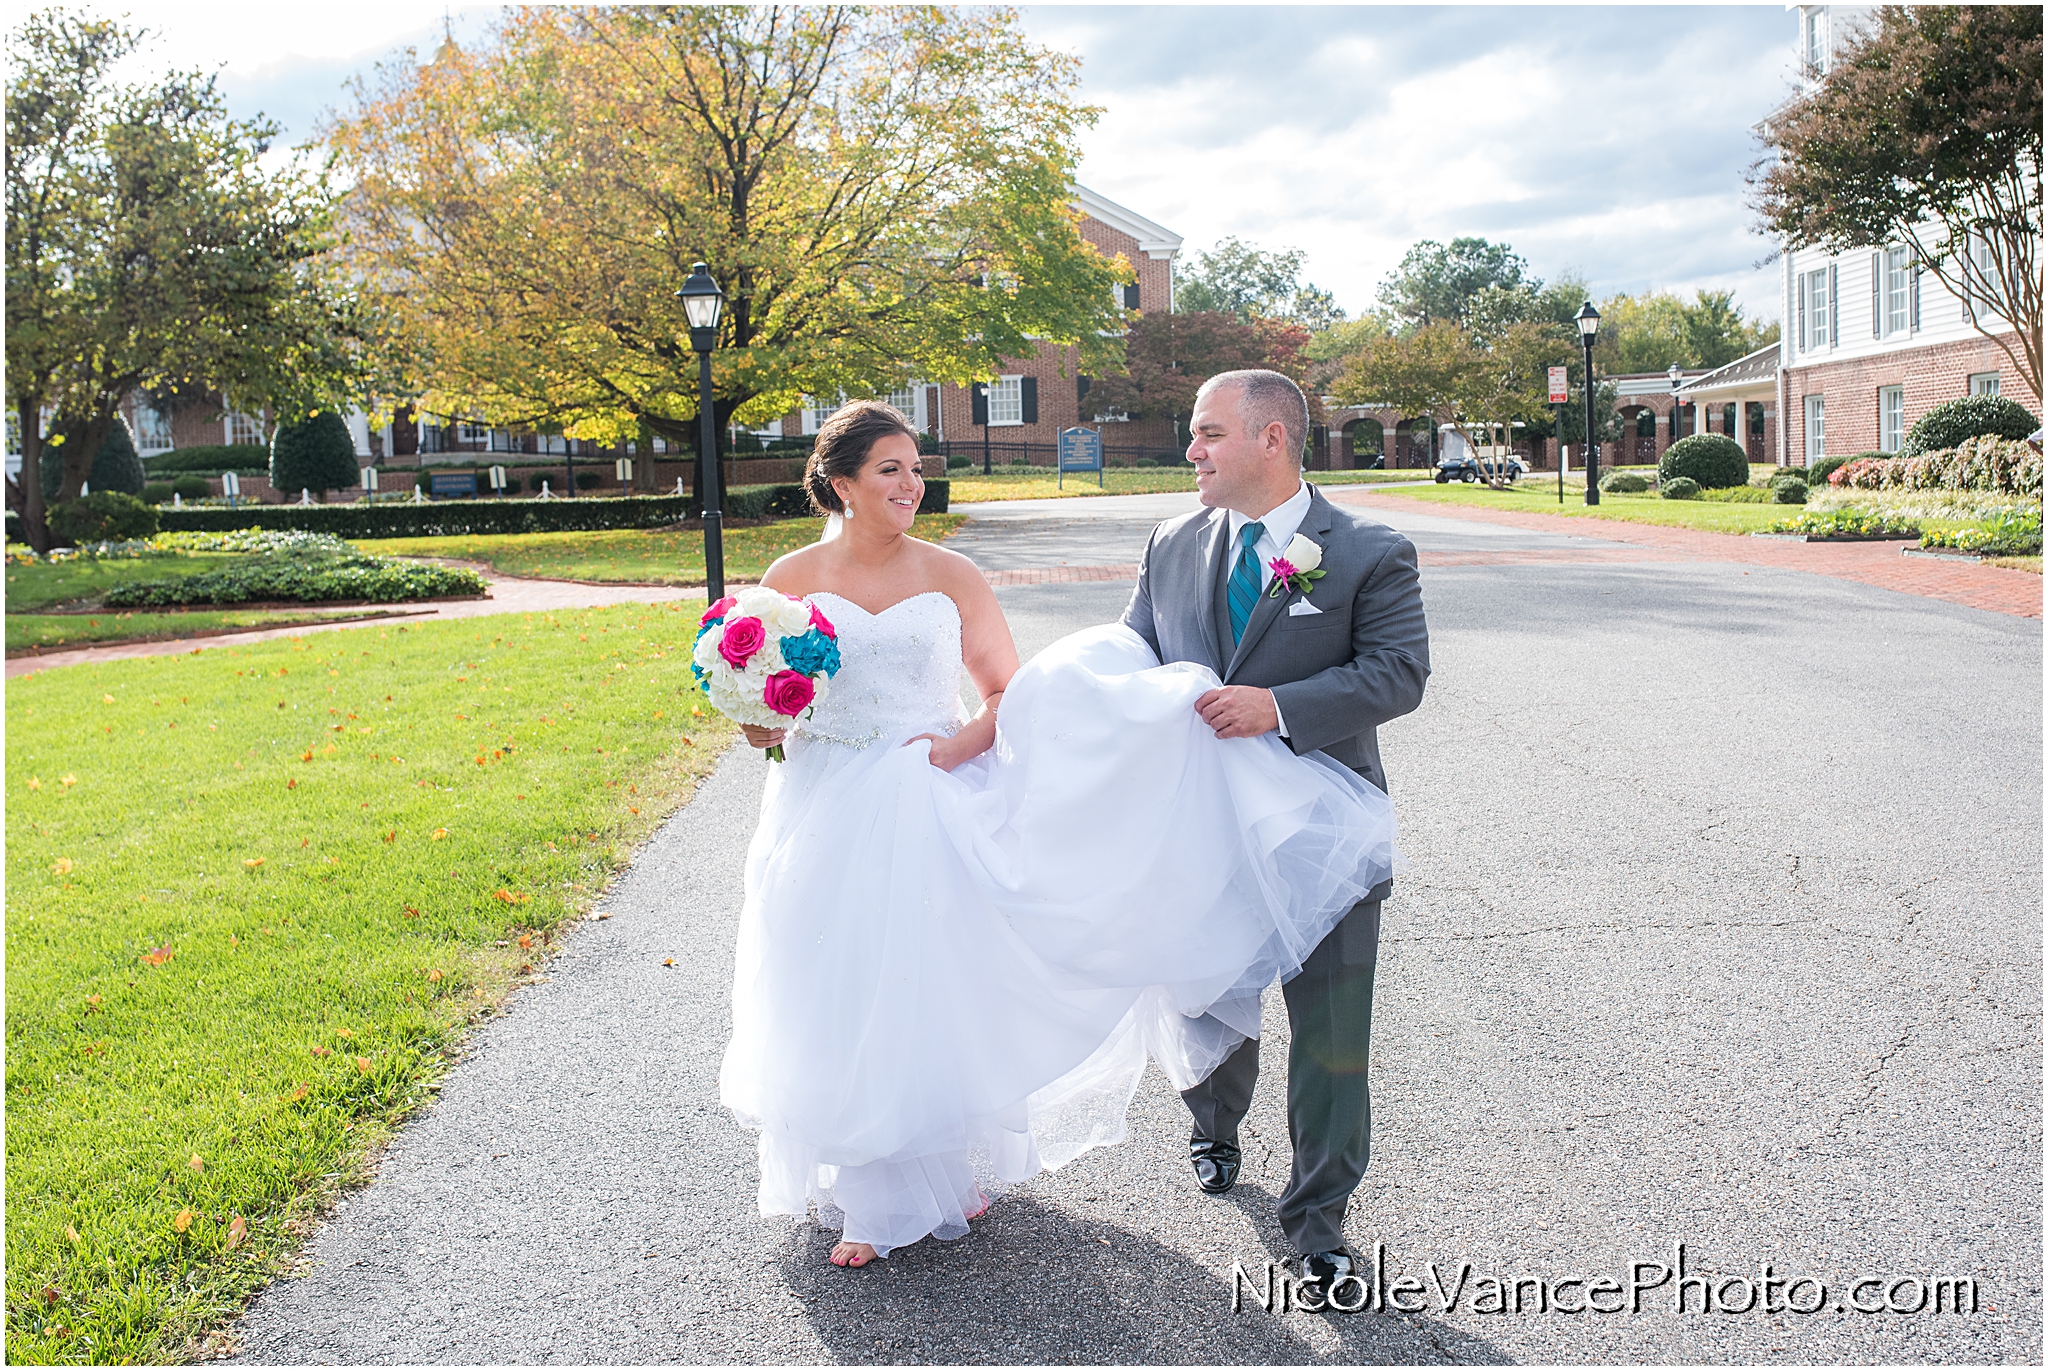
47,584
1042,483
255,894
50,632
1538,496
643,556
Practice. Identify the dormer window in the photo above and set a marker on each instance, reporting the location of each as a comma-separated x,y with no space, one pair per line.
1816,41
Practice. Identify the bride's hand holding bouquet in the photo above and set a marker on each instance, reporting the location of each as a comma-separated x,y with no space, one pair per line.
764,659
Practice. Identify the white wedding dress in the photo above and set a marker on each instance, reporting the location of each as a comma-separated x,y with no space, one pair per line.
948,981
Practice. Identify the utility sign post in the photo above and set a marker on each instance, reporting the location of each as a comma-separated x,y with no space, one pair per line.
1560,393
1080,450
1559,386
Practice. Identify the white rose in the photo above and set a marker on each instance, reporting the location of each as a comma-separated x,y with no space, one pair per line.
1303,553
792,617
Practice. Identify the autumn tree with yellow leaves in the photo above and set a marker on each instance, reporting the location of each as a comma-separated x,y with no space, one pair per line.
883,195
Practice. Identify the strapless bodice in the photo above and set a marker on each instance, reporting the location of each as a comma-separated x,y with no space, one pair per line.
899,671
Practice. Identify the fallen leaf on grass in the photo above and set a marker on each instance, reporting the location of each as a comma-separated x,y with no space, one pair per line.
35,783
233,941
197,1163
439,834
291,785
106,699
298,1094
343,1033
92,1004
363,1065
68,780
72,1234
510,898
526,940
61,867
434,974
391,836
307,755
632,809
239,1229
252,862
411,913
157,956
323,1051
183,1222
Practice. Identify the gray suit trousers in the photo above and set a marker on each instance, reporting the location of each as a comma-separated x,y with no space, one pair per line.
1329,1102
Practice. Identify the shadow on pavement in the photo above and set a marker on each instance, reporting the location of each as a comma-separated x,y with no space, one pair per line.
1031,1284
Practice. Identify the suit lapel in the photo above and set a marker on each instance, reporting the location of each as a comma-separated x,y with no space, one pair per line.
1213,538
1316,524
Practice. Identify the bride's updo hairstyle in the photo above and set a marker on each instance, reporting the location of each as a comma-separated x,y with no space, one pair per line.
843,446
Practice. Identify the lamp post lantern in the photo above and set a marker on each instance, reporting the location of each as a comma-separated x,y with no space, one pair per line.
1677,377
703,302
1588,320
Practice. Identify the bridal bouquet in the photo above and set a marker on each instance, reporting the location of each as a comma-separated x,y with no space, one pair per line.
764,658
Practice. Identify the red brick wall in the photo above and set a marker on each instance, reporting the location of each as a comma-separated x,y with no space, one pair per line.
1155,278
1929,375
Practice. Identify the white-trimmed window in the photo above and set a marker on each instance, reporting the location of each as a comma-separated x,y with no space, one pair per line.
1005,401
903,401
1898,291
1816,312
1815,48
1984,383
817,410
1891,418
244,428
467,432
152,430
1816,428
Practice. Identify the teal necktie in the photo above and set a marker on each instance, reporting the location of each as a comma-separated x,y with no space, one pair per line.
1245,581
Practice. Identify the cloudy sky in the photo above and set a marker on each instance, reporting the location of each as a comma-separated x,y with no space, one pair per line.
1606,141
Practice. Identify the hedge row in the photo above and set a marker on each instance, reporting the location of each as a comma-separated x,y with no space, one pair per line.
301,579
1988,463
249,459
447,518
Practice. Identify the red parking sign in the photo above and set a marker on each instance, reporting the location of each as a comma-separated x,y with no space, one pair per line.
1559,390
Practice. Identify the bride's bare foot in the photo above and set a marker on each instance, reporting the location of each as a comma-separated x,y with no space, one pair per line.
985,1202
854,1254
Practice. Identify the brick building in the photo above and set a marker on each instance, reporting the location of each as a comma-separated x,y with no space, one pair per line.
1871,340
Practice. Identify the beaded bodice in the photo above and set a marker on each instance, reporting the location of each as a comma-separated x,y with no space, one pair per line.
899,671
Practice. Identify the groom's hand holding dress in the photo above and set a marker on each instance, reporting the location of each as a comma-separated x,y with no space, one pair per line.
1325,677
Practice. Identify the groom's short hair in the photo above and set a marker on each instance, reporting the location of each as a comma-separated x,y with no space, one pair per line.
1265,397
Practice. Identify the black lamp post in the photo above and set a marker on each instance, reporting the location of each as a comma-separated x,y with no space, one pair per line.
1589,324
703,302
987,460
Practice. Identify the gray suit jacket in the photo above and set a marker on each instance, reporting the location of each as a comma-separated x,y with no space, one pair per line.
1337,675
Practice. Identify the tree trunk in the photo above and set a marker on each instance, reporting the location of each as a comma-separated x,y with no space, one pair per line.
26,494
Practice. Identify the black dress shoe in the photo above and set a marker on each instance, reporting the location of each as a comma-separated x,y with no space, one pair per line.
1321,1270
1216,1165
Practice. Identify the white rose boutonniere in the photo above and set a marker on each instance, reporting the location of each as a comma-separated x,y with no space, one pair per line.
1297,567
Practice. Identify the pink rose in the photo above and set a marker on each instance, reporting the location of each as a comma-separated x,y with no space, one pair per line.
743,638
789,692
719,610
822,624
1284,569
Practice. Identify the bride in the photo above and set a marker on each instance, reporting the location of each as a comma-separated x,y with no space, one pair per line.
963,936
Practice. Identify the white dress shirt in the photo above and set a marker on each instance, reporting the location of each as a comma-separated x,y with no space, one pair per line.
1281,523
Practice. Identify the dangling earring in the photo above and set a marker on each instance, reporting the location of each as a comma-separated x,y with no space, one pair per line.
849,511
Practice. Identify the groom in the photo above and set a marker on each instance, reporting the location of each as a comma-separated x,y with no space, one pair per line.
1323,669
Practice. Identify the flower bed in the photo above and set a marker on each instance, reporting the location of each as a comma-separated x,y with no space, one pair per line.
298,578
1846,523
2009,535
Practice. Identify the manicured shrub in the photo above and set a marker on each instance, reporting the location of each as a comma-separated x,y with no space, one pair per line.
354,576
156,492
211,459
192,487
1789,474
1991,464
539,479
317,453
1711,459
1623,483
1789,492
1738,495
958,462
1954,422
114,467
105,516
589,480
1679,488
1822,472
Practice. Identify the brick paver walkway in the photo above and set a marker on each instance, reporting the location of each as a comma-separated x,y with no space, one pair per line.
1998,589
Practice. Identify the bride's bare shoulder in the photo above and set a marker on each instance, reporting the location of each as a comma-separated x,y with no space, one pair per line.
949,570
796,573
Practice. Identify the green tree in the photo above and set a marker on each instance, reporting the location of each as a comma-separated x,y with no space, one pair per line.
147,250
1654,331
882,194
1925,132
117,466
1435,282
1249,283
318,453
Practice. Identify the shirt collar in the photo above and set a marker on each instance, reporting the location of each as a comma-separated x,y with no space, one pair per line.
1282,521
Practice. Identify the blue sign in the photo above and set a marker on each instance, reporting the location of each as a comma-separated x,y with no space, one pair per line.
1080,450
452,483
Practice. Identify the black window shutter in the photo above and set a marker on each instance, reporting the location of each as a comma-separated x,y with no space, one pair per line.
1030,399
980,394
1877,295
1131,296
1081,385
1834,307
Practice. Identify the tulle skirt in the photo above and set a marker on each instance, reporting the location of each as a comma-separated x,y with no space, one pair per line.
947,982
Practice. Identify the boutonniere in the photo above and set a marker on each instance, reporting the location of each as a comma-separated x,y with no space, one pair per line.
1295,569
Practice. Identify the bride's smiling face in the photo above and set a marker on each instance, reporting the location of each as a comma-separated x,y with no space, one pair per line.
886,494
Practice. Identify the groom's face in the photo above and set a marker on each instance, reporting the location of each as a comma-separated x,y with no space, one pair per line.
1234,466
